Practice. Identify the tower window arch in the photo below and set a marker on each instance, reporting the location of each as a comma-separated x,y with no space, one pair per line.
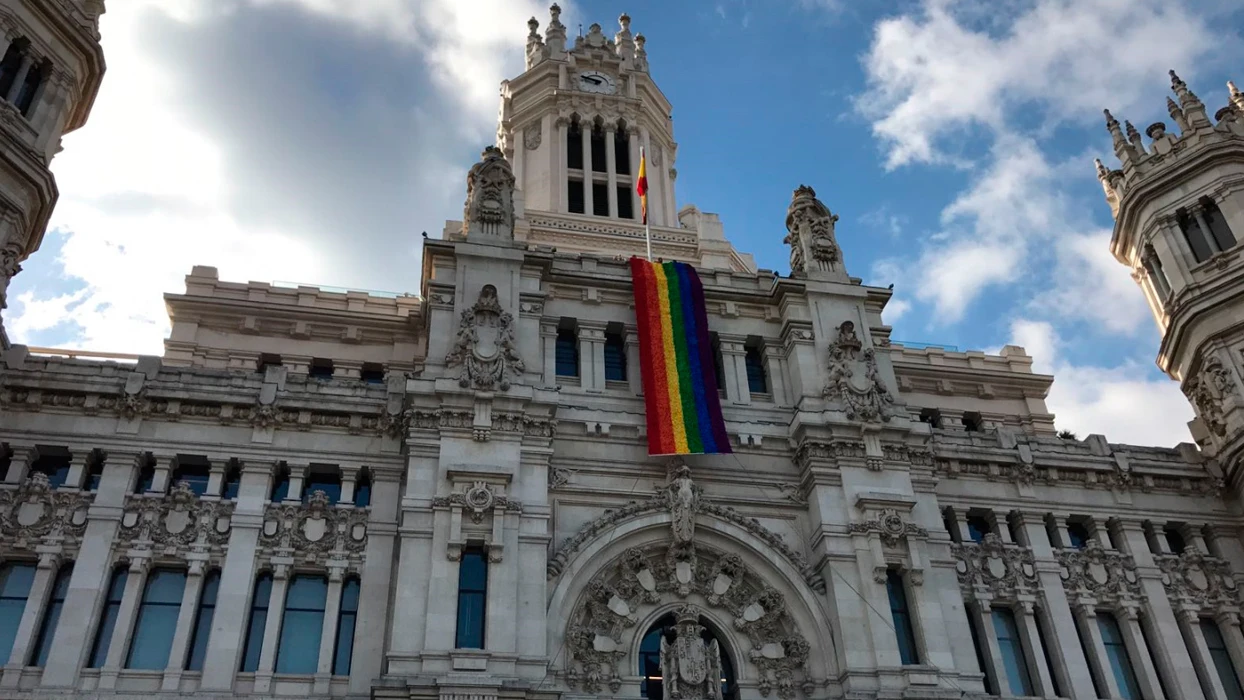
598,147
622,149
11,64
1205,229
652,686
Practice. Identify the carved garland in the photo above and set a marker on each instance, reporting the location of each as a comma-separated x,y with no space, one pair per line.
1108,576
176,523
1199,581
35,514
1006,571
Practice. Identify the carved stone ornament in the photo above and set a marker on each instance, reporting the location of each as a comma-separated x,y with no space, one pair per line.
1107,575
175,523
810,234
664,500
479,498
314,532
1208,391
855,380
35,514
690,666
485,348
1006,571
489,207
891,526
10,265
1199,581
603,624
532,137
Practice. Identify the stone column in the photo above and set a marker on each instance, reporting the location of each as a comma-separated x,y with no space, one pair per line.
981,609
23,70
592,357
127,615
349,478
77,469
668,173
91,574
32,616
185,624
162,470
371,626
611,168
656,214
1138,652
1060,528
19,464
272,630
1208,237
1229,628
1086,614
328,632
634,375
586,130
557,168
1038,672
548,343
297,472
1190,625
237,580
777,378
519,144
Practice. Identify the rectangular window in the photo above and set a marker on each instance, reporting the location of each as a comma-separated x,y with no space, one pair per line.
566,355
1219,231
320,368
574,147
323,478
1197,239
903,629
1222,659
53,462
598,150
615,356
301,625
1077,535
157,620
343,650
600,199
362,489
8,69
372,373
574,196
753,359
978,527
972,422
719,364
1012,649
258,621
108,618
280,484
94,472
233,481
625,210
15,582
931,417
202,632
51,616
1116,654
193,472
472,598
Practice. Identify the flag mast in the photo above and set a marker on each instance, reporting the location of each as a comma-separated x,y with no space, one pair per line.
641,187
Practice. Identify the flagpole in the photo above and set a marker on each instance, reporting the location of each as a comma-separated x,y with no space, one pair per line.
647,225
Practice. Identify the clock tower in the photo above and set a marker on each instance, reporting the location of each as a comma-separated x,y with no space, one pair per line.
572,126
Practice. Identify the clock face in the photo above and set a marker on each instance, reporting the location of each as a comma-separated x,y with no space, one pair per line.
595,81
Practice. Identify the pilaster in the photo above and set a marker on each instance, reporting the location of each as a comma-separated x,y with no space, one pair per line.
127,615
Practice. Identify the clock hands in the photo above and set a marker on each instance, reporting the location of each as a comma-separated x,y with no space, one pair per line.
592,79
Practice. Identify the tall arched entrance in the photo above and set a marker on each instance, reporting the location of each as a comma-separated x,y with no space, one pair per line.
666,629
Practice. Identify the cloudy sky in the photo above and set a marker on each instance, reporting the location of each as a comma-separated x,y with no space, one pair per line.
312,141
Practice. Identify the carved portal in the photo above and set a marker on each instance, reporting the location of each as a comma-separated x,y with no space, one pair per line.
690,666
810,234
855,380
485,348
489,205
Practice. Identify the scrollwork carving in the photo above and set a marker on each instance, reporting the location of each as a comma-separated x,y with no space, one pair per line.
315,531
890,526
485,348
1005,570
34,513
176,522
855,379
1108,576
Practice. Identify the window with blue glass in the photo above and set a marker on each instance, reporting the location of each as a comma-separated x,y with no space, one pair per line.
566,355
978,527
257,622
193,472
1222,659
472,598
321,368
754,361
615,356
343,649
1077,535
203,622
362,489
146,475
1012,650
322,478
53,463
157,620
991,683
280,484
301,625
15,580
903,628
1174,539
108,617
233,481
94,471
51,616
650,659
372,373
1116,654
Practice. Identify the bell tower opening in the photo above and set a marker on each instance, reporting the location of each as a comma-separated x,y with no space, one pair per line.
652,686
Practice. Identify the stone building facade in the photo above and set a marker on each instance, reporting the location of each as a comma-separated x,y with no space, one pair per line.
447,494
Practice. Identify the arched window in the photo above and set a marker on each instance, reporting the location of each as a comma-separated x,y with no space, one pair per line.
301,625
650,659
157,620
51,616
203,622
108,618
258,621
15,580
343,651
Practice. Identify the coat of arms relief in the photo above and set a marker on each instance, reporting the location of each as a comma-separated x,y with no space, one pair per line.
485,348
855,379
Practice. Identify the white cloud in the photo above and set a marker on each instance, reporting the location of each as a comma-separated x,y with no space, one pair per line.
896,309
1113,401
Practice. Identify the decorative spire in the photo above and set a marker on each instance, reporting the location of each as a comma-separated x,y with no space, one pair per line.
533,33
641,56
625,44
1177,114
1112,125
1237,97
555,33
1102,172
535,45
1133,136
1187,98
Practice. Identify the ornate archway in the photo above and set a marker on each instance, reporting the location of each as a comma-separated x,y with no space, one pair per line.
663,561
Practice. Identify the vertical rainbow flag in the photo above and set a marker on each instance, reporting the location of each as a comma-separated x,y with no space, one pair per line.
676,358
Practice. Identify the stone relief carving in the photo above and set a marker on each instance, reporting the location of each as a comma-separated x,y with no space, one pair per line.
855,380
690,667
1005,571
1108,576
891,526
663,500
810,234
489,207
1199,581
532,137
10,265
314,532
175,523
1208,391
35,514
479,498
485,348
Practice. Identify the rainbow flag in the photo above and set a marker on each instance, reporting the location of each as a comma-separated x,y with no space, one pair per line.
641,185
676,359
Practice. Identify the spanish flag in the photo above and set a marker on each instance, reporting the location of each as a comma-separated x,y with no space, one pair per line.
641,185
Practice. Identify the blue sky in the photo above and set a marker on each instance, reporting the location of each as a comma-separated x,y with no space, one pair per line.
312,140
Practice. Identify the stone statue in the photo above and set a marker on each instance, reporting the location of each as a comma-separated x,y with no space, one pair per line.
810,234
690,667
489,207
684,503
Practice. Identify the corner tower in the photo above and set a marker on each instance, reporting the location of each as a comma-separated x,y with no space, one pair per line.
572,126
1178,203
51,65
